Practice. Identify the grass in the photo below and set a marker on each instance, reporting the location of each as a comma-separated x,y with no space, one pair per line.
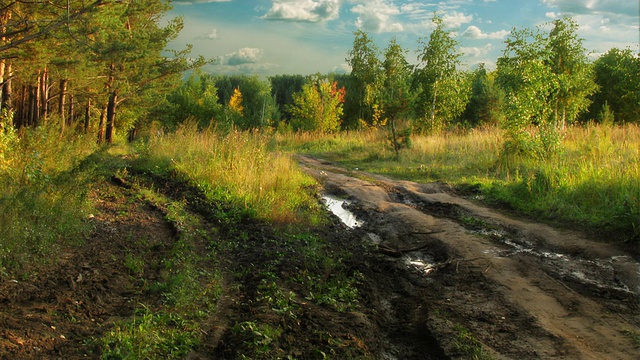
592,181
44,180
189,289
239,170
469,346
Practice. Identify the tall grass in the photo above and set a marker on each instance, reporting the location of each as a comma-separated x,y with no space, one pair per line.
43,194
593,181
237,168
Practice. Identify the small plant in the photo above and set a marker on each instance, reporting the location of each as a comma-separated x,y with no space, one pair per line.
134,264
468,345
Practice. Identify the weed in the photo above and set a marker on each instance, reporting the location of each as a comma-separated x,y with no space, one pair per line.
468,345
634,336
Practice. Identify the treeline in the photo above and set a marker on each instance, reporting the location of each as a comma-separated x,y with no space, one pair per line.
76,64
544,80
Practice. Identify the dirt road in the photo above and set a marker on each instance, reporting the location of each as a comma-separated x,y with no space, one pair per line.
524,289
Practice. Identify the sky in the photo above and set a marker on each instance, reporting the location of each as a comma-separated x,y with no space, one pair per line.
305,37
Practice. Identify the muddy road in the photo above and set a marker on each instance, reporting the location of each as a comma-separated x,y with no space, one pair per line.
524,289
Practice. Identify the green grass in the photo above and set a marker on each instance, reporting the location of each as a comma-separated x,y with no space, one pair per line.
238,169
44,181
593,181
469,346
189,289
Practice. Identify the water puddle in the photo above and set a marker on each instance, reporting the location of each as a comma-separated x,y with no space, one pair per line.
599,273
337,206
420,262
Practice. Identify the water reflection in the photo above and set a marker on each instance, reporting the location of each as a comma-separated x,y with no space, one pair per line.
337,206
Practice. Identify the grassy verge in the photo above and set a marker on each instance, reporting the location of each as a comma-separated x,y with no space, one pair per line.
591,182
44,180
237,169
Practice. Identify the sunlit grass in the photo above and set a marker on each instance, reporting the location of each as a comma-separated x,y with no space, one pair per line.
238,168
43,195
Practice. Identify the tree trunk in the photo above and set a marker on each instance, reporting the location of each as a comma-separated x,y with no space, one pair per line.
132,134
33,106
433,104
70,117
87,114
394,137
43,95
111,117
103,114
7,93
61,103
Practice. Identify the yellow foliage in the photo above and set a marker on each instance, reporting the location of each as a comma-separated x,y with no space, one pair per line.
235,103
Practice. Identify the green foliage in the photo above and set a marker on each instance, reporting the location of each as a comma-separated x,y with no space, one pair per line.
43,195
259,107
396,96
548,82
616,73
318,107
486,101
366,76
195,98
444,89
282,89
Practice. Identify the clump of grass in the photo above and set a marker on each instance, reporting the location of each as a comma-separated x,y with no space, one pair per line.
43,194
469,345
151,335
238,169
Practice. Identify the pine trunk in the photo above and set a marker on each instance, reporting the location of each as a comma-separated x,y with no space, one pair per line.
61,103
70,117
43,95
7,94
111,117
103,115
87,113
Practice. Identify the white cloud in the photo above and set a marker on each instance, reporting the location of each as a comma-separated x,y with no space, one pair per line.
212,35
477,52
455,19
377,16
474,32
243,56
304,10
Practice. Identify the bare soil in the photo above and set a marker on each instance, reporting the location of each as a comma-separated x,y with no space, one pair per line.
435,266
525,289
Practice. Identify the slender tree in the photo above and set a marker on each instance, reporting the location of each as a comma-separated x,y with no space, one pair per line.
574,76
443,86
366,76
396,94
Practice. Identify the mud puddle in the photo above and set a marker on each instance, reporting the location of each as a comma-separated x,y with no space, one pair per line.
338,207
599,274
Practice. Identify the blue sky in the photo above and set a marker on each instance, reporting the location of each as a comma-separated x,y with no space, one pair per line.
267,37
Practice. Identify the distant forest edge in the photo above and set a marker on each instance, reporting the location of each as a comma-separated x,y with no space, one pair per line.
101,65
